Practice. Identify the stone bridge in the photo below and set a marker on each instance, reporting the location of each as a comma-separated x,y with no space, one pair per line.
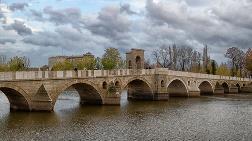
39,90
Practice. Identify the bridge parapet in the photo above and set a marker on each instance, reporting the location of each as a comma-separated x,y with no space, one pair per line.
37,75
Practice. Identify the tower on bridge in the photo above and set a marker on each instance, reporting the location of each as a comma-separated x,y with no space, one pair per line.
135,59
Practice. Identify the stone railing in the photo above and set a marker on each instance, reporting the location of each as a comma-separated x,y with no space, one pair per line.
36,75
199,75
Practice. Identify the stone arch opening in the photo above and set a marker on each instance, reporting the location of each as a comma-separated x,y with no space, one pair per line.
239,87
129,64
82,93
138,62
104,85
162,83
16,99
177,88
225,87
117,84
139,90
206,88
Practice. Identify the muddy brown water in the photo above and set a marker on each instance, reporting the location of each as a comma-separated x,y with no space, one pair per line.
204,118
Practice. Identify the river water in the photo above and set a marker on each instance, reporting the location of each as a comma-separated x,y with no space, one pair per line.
205,118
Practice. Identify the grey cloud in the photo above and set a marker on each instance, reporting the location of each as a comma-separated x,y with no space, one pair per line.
37,15
110,23
4,41
46,39
200,26
127,9
65,16
18,6
19,27
65,37
239,15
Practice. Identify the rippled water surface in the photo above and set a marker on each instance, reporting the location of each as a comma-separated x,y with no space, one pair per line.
205,118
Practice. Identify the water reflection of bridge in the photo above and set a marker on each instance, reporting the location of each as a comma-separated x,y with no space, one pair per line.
39,90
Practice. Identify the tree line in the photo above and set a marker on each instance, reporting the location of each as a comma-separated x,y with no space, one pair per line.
185,58
173,57
14,64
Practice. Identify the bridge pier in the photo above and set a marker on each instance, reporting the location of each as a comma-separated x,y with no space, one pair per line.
246,89
194,94
161,96
40,105
233,90
112,99
218,91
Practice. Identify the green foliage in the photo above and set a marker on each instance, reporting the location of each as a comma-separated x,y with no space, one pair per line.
18,63
111,59
60,66
3,67
88,63
248,58
213,67
223,70
111,88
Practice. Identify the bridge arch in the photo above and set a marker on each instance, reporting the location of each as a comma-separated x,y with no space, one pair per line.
225,87
18,98
88,91
139,88
177,88
239,87
206,88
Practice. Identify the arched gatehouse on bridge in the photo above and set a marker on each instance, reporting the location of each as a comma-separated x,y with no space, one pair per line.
139,89
206,88
239,87
88,92
138,62
17,97
225,87
177,88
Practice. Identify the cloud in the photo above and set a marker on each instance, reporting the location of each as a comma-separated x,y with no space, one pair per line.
4,41
66,37
18,6
64,16
127,9
19,27
110,23
215,25
37,15
146,24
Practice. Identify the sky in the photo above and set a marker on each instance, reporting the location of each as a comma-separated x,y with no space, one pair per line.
39,29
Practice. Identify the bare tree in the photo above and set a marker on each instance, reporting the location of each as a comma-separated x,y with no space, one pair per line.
3,59
237,59
184,57
162,57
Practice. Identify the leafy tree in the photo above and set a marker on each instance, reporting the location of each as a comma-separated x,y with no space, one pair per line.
3,67
223,70
111,59
213,67
19,63
88,62
60,66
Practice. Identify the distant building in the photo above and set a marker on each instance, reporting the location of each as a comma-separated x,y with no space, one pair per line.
60,59
135,59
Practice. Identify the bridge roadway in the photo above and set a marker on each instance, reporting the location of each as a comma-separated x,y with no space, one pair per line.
39,90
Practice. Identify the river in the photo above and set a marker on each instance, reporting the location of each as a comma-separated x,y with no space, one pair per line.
204,118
